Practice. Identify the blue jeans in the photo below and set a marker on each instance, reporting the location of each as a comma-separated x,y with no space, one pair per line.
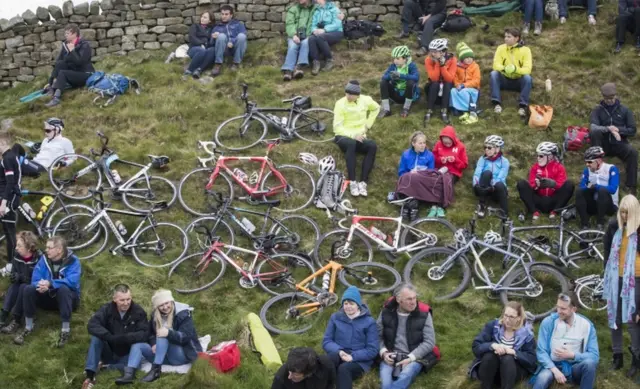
563,5
297,54
238,49
201,58
405,379
583,374
100,351
529,7
166,353
522,85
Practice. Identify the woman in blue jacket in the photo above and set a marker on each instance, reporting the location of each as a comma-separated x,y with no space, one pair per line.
200,52
326,30
490,176
351,339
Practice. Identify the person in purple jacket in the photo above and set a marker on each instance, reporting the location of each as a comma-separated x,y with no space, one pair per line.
230,37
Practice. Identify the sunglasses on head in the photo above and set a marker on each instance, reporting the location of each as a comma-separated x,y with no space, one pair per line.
565,297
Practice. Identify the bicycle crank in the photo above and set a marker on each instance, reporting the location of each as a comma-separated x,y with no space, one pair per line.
435,273
247,283
534,290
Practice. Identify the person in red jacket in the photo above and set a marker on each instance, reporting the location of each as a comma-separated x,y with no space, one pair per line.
441,68
451,153
548,188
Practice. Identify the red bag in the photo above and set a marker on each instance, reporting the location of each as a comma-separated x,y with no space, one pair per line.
576,138
224,356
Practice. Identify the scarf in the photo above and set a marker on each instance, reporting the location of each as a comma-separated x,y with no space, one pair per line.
495,157
401,83
611,280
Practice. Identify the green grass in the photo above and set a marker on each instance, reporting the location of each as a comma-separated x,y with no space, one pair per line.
170,115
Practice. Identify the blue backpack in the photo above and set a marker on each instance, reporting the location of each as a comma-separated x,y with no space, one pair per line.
110,86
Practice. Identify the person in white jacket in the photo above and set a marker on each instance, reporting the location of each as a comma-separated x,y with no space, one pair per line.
53,146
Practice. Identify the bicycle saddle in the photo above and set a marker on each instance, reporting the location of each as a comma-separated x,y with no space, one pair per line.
158,161
563,209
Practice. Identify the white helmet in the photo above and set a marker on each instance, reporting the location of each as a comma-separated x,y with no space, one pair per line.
438,44
326,164
547,148
308,159
494,140
491,237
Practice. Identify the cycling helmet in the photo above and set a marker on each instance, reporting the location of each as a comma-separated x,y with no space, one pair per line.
438,44
55,122
491,237
308,158
326,164
400,52
594,152
547,148
460,236
494,140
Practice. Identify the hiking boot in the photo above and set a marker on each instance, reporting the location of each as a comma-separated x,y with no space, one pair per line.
11,327
353,189
536,216
404,113
497,109
298,74
552,215
128,376
440,212
480,211
444,116
402,35
521,112
88,383
328,65
592,20
286,75
384,113
4,317
618,362
525,29
186,75
19,339
196,74
217,68
63,339
427,117
433,211
53,102
537,28
635,365
315,67
422,51
563,20
234,67
618,48
362,188
153,374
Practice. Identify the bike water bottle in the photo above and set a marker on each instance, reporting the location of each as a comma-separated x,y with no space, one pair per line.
284,122
326,280
242,176
248,225
116,176
121,228
27,208
547,85
379,234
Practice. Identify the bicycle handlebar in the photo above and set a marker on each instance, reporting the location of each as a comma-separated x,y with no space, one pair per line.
291,99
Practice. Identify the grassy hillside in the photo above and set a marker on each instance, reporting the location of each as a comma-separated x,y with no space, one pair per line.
170,115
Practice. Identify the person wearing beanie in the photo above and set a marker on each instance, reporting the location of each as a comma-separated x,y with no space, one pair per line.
351,339
353,116
173,339
326,31
611,126
466,85
441,71
399,83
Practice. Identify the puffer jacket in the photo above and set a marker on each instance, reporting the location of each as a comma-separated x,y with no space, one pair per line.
518,55
231,29
68,274
182,332
499,169
469,75
553,170
79,59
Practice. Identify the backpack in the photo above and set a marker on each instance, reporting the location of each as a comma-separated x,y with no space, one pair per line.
110,85
575,138
356,29
331,188
540,116
456,22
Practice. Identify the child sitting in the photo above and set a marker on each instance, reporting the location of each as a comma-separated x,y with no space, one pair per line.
399,83
467,84
441,69
451,153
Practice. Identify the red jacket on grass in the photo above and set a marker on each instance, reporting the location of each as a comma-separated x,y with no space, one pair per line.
458,151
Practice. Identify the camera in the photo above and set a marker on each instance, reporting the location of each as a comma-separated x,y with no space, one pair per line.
302,33
396,368
321,25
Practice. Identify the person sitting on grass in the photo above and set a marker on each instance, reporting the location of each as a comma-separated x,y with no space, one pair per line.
304,369
441,70
533,9
202,54
326,31
399,83
628,20
298,29
53,146
490,176
590,5
449,152
464,95
230,37
598,192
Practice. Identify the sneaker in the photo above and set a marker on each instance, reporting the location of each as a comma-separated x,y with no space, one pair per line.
402,35
328,65
444,116
592,20
63,339
464,117
440,212
353,188
497,109
427,117
362,188
480,211
433,212
383,113
522,112
537,29
298,74
525,29
11,327
315,68
53,102
286,75
217,69
536,216
88,383
473,118
563,20
552,215
404,113
19,339
234,67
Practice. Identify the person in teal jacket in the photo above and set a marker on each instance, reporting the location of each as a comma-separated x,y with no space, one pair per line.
490,176
326,30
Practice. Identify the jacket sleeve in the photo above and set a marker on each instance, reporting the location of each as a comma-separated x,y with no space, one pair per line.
630,128
291,22
594,121
584,180
370,351
80,55
473,81
315,20
591,352
436,7
503,173
431,164
428,341
11,168
40,272
614,180
532,177
561,176
413,75
194,40
338,119
68,149
433,71
71,277
476,173
483,341
97,325
543,349
448,71
526,355
184,333
336,24
328,344
403,167
498,59
462,161
387,73
527,62
373,109
242,29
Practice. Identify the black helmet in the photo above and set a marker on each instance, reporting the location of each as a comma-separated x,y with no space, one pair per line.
594,152
55,122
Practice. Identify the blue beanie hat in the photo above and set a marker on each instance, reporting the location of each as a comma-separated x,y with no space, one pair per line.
352,293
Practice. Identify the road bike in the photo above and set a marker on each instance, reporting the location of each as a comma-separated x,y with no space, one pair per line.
77,180
589,290
302,121
200,191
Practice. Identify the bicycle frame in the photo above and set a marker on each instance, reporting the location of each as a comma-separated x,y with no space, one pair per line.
314,307
104,214
33,221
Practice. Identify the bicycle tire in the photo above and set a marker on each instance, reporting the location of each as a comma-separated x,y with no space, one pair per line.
127,197
265,317
226,144
289,283
441,226
300,235
49,223
186,261
487,264
571,238
584,293
320,258
397,278
60,188
327,130
185,244
516,279
222,230
197,188
460,261
77,229
290,187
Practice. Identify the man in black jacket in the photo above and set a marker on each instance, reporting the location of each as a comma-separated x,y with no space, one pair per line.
73,65
10,189
430,14
114,328
304,369
611,125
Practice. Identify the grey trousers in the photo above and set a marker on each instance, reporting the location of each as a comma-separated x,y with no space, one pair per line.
634,328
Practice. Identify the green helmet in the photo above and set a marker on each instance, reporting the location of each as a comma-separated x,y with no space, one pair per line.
400,51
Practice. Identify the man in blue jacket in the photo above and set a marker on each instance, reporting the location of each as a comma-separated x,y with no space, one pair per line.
567,347
598,192
55,284
230,37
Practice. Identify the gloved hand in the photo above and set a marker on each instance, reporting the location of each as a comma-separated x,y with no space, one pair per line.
510,68
14,277
443,60
547,183
395,75
35,149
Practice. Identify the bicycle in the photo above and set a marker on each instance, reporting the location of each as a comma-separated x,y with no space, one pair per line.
523,280
296,312
307,123
353,242
589,290
149,241
88,174
200,191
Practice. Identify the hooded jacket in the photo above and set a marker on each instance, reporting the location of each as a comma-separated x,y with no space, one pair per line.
120,332
68,274
411,160
231,29
351,119
11,175
79,59
553,170
412,75
617,115
299,17
518,55
327,15
457,151
499,169
469,75
182,333
23,267
323,377
441,73
199,35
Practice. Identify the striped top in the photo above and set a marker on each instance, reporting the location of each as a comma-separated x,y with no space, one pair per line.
508,343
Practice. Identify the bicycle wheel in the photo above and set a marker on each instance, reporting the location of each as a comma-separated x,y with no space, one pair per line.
200,231
314,125
280,273
194,196
298,192
282,314
57,214
589,295
301,232
416,230
496,263
159,245
586,250
138,194
537,291
370,277
75,181
425,271
85,242
332,246
240,132
194,273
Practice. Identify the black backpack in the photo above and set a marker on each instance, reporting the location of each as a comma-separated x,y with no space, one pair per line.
356,29
456,23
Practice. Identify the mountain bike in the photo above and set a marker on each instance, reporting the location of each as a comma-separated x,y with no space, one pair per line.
74,181
347,243
200,191
152,244
444,272
589,290
245,131
296,312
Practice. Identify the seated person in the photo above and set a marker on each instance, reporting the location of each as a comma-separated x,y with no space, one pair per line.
298,29
172,339
547,188
73,66
490,176
230,37
424,15
590,5
628,20
200,51
598,192
114,328
351,339
326,31
531,7
399,83
304,369
22,264
451,153
52,147
466,85
441,71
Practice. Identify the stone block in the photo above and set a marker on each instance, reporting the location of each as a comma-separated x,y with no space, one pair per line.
254,34
257,8
275,17
259,16
172,13
169,21
14,42
276,2
243,16
78,19
115,32
128,46
148,1
4,25
178,29
188,12
114,48
163,5
279,27
135,30
152,46
167,38
147,37
21,57
94,44
105,42
262,26
25,49
96,18
29,17
389,2
116,41
82,9
101,51
158,29
67,8
55,11
88,34
101,33
23,78
150,22
390,17
100,25
355,11
113,18
94,7
373,10
43,14
26,71
2,44
31,39
119,24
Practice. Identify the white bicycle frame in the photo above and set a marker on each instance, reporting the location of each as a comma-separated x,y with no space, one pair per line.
104,214
122,187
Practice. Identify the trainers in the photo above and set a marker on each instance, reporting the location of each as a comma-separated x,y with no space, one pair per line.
618,48
444,116
402,35
11,327
563,20
19,339
537,29
315,68
552,215
328,65
480,211
217,68
88,383
536,216
353,188
525,29
427,117
298,74
63,339
440,212
497,108
234,67
433,212
186,75
592,20
522,112
464,117
384,113
362,188
53,102
196,73
473,118
286,75
404,113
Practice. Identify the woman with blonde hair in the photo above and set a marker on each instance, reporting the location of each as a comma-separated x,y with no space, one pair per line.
505,349
621,275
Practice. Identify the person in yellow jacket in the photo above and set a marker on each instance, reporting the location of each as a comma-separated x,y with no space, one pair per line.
512,64
354,115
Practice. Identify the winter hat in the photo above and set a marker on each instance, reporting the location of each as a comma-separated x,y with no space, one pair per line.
353,87
608,89
464,51
160,297
352,293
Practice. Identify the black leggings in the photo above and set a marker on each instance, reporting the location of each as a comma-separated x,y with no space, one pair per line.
587,205
350,147
63,76
320,45
9,222
389,91
500,369
498,192
432,89
545,204
628,21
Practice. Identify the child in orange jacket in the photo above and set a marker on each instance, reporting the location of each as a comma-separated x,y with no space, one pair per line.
441,69
464,95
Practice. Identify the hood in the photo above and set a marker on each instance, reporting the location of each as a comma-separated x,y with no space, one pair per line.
517,45
450,132
181,307
328,5
364,311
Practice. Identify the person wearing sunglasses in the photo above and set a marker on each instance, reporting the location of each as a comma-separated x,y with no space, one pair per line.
505,349
490,176
52,146
547,188
598,192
